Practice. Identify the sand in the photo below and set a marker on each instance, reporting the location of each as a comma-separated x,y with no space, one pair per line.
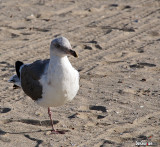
118,43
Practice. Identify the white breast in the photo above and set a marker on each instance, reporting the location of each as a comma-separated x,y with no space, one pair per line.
61,83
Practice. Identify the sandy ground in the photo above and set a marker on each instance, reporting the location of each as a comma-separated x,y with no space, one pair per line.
118,42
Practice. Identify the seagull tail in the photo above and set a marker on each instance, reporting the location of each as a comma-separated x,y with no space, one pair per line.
15,79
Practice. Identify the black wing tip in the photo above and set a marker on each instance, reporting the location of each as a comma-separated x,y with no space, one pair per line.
18,64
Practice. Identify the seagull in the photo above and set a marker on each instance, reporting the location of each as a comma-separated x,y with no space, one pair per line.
50,82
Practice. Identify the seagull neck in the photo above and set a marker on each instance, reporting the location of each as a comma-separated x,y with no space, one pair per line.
57,60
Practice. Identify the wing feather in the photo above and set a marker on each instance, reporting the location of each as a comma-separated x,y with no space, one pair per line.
30,76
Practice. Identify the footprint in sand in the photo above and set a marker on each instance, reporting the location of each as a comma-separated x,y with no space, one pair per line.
98,108
5,110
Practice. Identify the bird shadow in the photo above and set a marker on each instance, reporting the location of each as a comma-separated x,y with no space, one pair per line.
45,123
61,131
23,132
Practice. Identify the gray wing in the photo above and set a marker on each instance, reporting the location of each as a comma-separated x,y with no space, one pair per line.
30,75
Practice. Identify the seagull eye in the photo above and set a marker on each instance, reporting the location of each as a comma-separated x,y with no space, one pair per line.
57,45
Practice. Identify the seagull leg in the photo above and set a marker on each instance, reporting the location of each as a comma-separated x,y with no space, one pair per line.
53,130
50,116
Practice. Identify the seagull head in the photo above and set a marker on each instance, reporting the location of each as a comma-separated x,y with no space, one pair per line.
61,47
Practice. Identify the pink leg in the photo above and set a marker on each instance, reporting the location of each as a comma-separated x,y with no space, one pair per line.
53,130
50,116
